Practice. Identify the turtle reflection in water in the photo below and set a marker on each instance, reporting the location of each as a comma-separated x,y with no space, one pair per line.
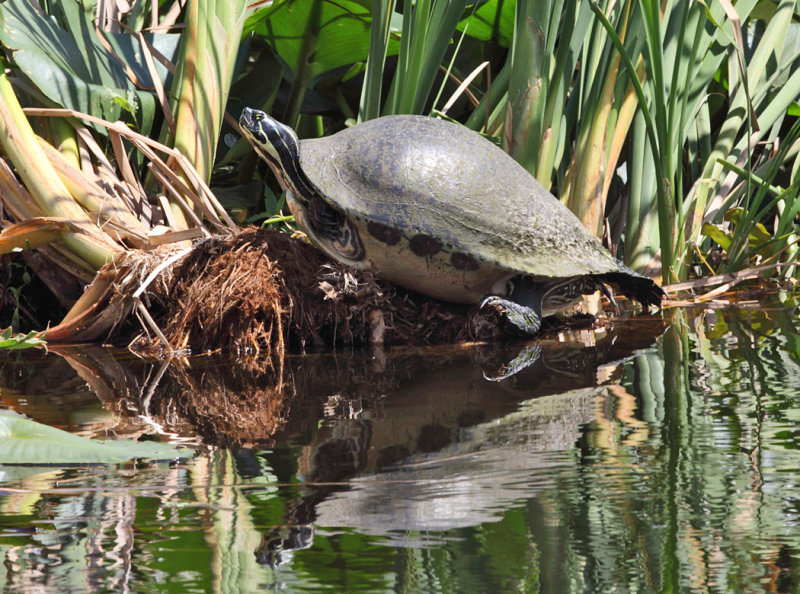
438,209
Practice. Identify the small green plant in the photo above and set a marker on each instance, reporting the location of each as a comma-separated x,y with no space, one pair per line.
12,342
272,215
11,295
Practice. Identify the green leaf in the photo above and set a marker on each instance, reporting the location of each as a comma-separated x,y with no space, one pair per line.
23,441
716,234
493,21
341,35
73,69
10,341
758,234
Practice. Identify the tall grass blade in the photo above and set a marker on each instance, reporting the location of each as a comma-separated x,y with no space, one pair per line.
524,126
654,127
427,30
371,92
208,54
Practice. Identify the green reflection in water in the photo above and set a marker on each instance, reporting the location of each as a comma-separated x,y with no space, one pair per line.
677,469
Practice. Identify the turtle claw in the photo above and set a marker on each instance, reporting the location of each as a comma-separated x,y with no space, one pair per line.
521,316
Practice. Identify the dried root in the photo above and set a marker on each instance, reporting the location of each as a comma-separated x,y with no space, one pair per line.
257,292
263,291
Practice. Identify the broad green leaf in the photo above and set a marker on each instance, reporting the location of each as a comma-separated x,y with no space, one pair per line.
73,69
338,32
493,21
23,441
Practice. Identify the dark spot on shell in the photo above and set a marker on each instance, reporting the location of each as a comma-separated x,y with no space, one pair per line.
424,245
463,261
384,233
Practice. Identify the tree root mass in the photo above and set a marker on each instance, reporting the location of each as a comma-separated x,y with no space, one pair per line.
263,291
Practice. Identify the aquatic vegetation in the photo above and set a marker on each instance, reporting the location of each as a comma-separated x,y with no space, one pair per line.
23,441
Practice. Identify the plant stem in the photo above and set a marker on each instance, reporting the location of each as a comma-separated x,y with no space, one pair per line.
42,181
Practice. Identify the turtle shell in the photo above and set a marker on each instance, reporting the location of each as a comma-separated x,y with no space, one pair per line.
442,210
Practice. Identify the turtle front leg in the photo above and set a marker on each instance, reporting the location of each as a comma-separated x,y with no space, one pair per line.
527,319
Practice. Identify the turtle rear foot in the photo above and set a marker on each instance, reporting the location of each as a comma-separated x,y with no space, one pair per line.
523,317
634,286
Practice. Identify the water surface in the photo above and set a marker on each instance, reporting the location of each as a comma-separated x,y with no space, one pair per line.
635,458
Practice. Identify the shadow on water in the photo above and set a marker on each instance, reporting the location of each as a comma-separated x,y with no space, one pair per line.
629,456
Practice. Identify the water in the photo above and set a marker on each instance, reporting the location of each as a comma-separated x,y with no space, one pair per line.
635,459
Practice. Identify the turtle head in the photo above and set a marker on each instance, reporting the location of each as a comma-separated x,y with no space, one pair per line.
324,223
276,143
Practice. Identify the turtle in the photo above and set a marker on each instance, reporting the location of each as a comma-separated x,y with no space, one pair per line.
436,208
